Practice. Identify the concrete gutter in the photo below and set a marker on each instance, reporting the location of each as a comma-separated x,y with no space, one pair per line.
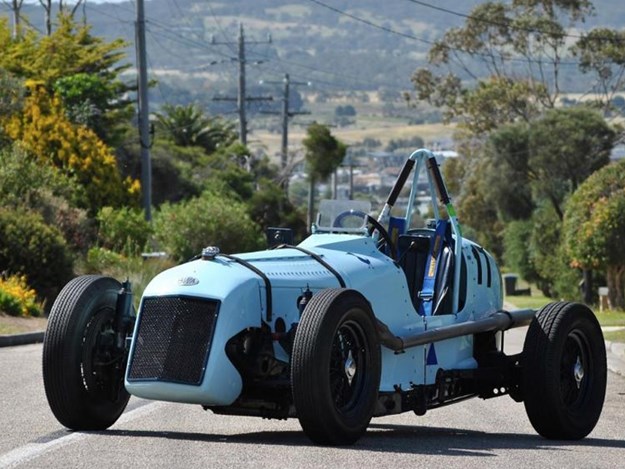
11,340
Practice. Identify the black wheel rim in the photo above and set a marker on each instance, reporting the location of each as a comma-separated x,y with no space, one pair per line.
348,365
101,360
575,370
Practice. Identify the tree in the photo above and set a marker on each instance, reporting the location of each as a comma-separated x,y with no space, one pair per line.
44,130
16,7
81,69
521,47
506,172
11,99
92,100
567,146
69,50
602,52
188,125
324,153
594,228
545,159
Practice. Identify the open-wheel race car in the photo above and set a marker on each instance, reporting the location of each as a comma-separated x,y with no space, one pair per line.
366,317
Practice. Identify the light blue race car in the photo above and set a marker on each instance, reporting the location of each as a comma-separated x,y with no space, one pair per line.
366,317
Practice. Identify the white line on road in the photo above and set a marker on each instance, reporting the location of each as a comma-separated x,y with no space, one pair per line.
31,451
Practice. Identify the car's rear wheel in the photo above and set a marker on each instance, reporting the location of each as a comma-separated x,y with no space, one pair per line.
335,367
83,368
565,372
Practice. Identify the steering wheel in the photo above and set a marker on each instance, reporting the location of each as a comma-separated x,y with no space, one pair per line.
375,225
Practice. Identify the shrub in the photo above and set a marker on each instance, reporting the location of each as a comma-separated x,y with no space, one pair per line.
533,248
26,184
123,230
30,247
134,268
17,298
185,228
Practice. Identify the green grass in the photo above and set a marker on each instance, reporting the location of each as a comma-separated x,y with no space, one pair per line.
8,329
537,300
615,336
611,318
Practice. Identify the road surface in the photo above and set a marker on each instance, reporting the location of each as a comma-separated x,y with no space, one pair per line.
475,433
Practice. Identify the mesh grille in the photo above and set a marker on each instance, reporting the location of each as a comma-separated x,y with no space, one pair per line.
173,339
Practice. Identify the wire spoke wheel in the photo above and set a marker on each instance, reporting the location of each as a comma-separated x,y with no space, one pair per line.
347,365
564,371
335,367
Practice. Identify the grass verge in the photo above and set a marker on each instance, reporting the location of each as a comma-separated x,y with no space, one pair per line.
605,318
19,325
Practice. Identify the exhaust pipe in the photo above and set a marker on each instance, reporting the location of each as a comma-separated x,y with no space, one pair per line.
499,321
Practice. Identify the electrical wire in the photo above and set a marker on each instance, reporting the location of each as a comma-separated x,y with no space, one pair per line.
495,23
419,39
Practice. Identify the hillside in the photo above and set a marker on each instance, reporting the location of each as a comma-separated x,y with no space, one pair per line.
337,44
345,50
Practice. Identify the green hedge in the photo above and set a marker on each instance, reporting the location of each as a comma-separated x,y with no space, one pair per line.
28,246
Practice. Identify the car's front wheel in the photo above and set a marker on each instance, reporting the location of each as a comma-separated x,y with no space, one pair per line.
335,367
83,368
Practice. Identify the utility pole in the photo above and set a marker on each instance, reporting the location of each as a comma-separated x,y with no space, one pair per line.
286,114
241,90
351,164
242,99
144,114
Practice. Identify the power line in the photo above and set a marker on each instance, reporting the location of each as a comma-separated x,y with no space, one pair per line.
170,30
177,37
495,23
371,23
426,41
218,24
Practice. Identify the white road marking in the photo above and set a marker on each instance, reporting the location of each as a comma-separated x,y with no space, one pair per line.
31,451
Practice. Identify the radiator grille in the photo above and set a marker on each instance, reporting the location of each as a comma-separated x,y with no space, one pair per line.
173,339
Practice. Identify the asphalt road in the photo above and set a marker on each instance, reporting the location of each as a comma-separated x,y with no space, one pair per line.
475,433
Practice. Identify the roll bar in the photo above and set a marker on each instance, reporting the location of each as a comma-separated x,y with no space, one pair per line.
420,158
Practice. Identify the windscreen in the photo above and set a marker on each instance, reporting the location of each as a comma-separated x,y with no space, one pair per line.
343,216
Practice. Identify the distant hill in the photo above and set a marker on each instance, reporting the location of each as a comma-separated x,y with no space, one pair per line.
310,41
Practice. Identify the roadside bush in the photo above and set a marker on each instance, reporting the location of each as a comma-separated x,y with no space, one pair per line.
533,248
559,279
134,268
30,247
17,298
516,253
26,184
185,228
123,230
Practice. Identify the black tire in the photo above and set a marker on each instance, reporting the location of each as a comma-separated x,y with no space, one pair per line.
335,367
83,370
565,371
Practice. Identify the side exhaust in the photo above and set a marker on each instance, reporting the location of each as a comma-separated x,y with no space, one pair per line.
499,321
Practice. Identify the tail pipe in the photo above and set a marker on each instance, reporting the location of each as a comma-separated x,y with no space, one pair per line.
499,321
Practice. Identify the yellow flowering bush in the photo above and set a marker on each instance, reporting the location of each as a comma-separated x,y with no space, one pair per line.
17,298
44,130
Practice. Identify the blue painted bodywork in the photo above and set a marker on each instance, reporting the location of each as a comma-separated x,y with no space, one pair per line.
364,268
